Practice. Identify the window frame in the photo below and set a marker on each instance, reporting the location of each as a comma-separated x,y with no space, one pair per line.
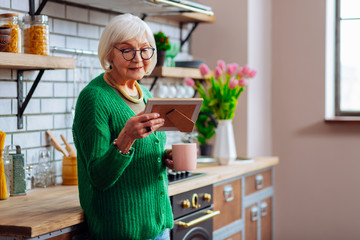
338,111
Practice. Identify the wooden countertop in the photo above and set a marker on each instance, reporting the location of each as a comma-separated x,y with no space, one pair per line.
45,210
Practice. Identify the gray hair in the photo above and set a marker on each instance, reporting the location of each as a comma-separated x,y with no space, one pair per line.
122,28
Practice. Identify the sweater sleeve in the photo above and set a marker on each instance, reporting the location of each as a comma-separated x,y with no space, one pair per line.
92,135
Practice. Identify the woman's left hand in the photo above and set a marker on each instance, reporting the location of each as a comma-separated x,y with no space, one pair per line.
168,159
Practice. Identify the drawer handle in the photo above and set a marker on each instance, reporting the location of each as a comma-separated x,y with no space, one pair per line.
254,213
228,193
209,214
259,181
263,208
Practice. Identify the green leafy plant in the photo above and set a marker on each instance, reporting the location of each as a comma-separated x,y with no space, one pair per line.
205,125
162,41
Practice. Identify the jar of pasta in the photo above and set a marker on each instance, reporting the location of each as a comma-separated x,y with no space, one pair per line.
36,34
11,20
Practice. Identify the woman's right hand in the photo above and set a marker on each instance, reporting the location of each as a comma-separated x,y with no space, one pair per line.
142,125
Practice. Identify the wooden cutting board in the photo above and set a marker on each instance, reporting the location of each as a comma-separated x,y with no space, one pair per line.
41,211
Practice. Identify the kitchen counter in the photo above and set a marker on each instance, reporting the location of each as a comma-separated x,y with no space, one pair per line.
46,210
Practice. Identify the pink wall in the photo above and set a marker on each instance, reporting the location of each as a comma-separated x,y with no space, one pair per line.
316,184
226,39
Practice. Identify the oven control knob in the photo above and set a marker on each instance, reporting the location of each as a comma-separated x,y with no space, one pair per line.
207,197
186,203
195,201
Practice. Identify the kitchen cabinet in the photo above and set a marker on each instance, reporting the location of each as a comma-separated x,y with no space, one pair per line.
227,199
256,207
259,216
236,236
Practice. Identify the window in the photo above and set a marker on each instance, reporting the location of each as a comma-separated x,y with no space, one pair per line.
347,57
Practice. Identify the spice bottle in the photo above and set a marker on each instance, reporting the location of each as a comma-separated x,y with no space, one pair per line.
11,20
36,34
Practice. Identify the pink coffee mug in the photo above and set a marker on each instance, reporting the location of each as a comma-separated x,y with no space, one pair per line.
184,156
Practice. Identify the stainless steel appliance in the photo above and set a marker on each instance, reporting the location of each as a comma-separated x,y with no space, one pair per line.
193,214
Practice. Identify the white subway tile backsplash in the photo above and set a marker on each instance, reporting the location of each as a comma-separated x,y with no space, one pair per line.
54,75
63,121
8,89
64,27
5,74
5,106
54,10
40,122
57,105
77,43
8,138
20,5
98,17
43,89
26,140
8,124
57,40
77,14
93,45
5,3
32,107
64,89
89,31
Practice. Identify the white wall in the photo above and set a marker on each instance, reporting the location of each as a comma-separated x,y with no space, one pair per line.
316,184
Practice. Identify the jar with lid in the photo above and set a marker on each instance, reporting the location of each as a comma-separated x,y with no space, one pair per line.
36,34
11,20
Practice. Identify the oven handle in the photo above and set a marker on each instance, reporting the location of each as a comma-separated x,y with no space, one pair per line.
209,214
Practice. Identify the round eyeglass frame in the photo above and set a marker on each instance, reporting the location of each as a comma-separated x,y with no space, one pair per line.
140,50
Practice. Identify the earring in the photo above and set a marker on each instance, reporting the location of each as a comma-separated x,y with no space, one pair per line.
110,67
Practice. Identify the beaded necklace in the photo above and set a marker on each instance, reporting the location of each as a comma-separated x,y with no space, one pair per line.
117,86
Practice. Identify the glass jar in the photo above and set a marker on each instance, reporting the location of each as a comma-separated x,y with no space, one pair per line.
11,20
36,34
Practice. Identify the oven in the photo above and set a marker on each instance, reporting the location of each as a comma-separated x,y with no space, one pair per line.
193,214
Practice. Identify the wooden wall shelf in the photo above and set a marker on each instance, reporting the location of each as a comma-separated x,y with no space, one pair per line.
36,62
29,62
187,17
176,72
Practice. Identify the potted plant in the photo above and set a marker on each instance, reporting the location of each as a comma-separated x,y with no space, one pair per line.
205,125
220,91
162,45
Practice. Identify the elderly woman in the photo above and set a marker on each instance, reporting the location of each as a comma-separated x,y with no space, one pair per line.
121,158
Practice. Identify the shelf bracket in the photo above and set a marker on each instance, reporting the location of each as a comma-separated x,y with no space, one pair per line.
183,41
153,83
20,93
32,7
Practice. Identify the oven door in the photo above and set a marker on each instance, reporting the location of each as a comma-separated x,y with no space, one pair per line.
195,226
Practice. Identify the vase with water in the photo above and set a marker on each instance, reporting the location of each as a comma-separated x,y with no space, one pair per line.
225,149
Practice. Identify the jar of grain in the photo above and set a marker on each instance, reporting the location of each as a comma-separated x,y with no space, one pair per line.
36,34
11,20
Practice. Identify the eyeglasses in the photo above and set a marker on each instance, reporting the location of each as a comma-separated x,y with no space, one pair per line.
129,53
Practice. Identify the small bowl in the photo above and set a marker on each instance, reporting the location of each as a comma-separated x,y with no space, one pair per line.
5,31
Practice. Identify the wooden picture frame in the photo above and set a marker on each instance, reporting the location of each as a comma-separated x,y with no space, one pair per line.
180,114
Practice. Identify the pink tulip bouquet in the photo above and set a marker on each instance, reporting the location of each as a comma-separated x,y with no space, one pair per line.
222,87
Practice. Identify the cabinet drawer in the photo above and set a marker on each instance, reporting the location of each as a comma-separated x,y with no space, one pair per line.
257,182
236,236
227,199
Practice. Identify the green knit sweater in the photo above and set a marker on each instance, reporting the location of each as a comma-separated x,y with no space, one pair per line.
123,196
